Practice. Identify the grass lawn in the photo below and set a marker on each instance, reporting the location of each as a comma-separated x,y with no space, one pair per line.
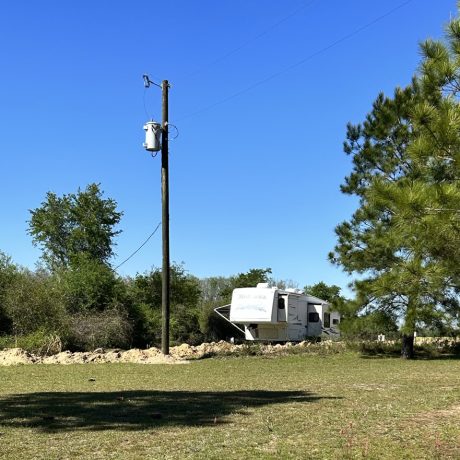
290,407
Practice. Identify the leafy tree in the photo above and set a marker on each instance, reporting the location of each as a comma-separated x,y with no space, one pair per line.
330,293
369,326
8,274
146,323
352,324
252,277
185,325
283,283
213,289
90,286
405,173
145,305
249,279
78,223
185,290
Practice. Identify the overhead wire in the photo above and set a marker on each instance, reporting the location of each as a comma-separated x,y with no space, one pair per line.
251,40
170,125
298,63
272,76
145,105
221,58
139,248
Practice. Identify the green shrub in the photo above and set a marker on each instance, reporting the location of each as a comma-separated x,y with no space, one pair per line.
40,342
440,346
213,327
146,325
90,286
185,327
34,302
106,329
144,306
250,349
8,273
7,341
146,288
373,348
434,349
368,327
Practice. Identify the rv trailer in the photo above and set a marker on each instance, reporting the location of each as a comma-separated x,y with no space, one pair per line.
277,315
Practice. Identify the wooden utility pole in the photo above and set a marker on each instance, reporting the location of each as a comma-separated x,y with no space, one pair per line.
165,279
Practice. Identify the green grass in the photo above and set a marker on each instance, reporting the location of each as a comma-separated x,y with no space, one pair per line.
285,407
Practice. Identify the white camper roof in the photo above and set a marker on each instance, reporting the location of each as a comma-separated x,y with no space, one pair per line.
316,300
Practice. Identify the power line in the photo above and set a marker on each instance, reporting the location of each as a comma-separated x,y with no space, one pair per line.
298,63
272,76
139,248
251,40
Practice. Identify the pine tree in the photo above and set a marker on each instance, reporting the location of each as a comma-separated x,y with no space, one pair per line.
403,240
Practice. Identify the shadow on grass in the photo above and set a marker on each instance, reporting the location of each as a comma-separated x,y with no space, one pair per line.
419,355
135,410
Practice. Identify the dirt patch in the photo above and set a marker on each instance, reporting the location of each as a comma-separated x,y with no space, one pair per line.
15,356
181,354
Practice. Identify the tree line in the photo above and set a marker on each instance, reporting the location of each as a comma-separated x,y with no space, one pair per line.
74,300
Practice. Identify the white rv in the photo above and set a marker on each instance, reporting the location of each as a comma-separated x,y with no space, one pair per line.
272,314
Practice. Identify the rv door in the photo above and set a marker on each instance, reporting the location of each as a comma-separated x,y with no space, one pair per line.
314,320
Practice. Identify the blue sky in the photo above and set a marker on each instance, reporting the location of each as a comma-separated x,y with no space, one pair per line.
261,94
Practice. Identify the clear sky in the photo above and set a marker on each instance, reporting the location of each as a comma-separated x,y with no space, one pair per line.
261,94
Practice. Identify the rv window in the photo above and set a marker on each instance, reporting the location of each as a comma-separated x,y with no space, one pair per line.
281,303
313,317
327,320
335,321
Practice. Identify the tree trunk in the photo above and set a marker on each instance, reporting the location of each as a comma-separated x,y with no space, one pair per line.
407,350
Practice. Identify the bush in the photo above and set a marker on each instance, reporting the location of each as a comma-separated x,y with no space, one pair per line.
146,325
34,302
250,349
369,326
146,288
213,327
434,349
8,273
106,329
373,348
144,305
185,327
39,342
90,286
